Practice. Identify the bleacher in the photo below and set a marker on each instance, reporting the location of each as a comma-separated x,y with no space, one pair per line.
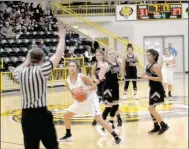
13,50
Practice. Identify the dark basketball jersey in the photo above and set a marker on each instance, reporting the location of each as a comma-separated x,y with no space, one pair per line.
129,60
111,85
156,94
153,84
112,75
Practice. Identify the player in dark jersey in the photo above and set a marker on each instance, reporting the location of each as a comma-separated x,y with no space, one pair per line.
95,71
156,95
109,73
130,69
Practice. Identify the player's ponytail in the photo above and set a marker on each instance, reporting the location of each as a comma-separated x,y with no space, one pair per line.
157,56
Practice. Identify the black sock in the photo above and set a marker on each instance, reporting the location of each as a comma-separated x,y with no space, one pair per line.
118,117
68,132
162,124
112,122
114,134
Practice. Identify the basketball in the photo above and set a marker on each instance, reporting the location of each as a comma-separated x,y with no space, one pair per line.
77,95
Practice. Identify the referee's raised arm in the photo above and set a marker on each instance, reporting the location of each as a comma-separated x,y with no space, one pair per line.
55,59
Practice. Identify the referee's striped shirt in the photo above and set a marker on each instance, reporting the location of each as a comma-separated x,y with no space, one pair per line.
33,82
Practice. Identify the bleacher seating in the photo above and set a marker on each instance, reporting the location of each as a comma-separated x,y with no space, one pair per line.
13,50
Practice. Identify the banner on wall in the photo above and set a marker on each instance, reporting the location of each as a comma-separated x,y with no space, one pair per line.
126,12
185,11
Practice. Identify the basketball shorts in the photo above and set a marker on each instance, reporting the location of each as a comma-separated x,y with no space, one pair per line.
89,106
131,74
156,96
111,96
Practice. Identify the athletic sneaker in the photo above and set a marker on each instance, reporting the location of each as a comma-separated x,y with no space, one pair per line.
136,97
169,94
66,138
156,129
101,130
163,129
117,140
124,96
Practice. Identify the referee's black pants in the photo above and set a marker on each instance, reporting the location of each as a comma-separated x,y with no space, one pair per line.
37,125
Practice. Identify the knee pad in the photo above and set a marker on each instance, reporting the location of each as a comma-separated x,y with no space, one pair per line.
114,110
106,112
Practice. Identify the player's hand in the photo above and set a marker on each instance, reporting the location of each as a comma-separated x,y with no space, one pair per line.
130,64
61,30
97,81
133,64
83,92
145,77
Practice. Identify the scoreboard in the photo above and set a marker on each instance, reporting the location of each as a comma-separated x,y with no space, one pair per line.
159,11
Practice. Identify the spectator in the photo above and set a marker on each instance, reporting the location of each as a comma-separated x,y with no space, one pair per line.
22,8
42,24
95,46
31,8
39,8
27,7
37,15
6,31
46,50
14,14
3,6
6,15
172,50
67,54
33,23
1,16
9,9
28,13
18,10
88,55
17,27
33,45
27,22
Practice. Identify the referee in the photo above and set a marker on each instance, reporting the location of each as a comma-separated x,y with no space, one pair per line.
32,75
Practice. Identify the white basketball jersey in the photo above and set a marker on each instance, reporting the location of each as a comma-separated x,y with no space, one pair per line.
77,84
168,60
80,83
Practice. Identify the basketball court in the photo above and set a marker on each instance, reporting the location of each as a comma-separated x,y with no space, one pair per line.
137,121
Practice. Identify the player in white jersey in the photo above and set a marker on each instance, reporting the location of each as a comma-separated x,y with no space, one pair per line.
90,105
168,64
